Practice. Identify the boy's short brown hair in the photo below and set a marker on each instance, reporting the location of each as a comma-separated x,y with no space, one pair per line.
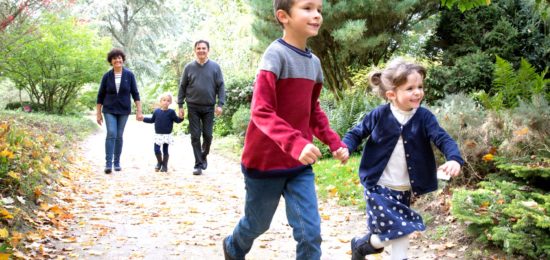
284,5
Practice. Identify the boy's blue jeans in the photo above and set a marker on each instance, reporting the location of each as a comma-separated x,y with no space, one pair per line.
113,143
262,199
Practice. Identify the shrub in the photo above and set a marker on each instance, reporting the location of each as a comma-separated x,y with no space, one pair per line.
507,213
346,113
35,107
475,130
238,92
472,72
240,121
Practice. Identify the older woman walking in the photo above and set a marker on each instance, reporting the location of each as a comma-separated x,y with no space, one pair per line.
113,99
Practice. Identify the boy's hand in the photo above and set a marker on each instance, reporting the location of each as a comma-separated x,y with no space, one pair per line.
310,154
341,154
451,168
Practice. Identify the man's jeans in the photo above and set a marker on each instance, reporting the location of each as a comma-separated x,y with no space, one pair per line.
262,198
113,143
201,120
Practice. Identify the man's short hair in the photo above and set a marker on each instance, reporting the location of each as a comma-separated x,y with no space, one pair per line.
284,5
202,41
115,52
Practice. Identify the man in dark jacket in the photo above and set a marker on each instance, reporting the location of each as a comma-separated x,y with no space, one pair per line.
201,82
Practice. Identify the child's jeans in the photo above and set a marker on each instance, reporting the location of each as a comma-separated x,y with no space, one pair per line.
262,199
164,149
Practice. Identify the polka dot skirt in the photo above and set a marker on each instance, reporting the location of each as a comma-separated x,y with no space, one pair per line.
389,215
163,139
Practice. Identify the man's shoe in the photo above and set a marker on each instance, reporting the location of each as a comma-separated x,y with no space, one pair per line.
204,164
225,254
197,171
361,247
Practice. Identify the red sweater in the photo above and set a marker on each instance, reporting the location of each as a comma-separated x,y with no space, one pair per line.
285,113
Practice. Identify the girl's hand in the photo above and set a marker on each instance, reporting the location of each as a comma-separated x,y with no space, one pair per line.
451,168
341,154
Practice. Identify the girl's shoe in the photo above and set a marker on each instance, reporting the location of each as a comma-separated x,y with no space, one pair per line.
159,162
360,247
164,167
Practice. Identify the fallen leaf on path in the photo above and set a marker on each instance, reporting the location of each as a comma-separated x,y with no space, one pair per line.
343,240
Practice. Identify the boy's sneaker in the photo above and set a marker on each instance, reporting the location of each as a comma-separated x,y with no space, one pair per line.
225,254
117,167
361,247
107,170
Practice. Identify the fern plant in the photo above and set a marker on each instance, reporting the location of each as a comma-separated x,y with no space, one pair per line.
510,86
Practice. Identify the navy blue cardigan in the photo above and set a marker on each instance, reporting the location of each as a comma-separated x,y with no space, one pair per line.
113,103
164,120
383,131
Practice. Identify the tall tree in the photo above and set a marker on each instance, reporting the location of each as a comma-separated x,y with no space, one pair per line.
17,24
136,26
53,68
466,43
354,32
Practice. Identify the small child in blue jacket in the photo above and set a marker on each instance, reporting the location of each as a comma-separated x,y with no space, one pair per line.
398,160
164,119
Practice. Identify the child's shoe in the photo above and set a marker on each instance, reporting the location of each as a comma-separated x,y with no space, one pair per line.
164,166
360,247
159,162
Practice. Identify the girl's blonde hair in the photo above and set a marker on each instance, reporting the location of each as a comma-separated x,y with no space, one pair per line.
165,95
394,75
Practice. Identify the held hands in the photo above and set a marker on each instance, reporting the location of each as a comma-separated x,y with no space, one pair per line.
450,168
181,113
310,154
139,116
341,154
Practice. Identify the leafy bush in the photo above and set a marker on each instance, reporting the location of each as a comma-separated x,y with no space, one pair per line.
238,92
347,112
475,130
35,107
88,99
240,121
469,73
510,208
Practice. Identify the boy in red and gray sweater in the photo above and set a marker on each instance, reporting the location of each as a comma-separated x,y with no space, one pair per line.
278,150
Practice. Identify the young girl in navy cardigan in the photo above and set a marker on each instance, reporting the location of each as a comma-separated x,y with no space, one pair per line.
398,160
164,119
